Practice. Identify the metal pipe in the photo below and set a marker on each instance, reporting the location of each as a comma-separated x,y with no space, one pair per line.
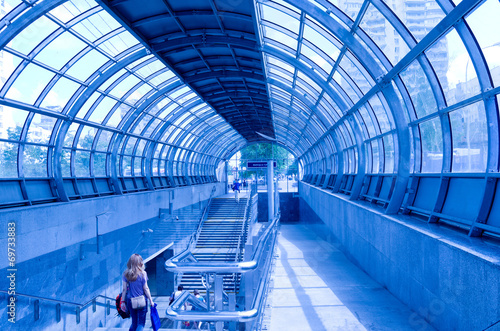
174,265
173,311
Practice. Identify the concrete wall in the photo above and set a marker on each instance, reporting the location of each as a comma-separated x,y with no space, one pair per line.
447,278
289,205
49,241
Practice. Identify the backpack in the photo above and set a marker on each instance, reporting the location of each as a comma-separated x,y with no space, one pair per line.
123,314
172,298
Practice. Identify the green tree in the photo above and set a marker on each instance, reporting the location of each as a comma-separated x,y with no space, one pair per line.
265,151
8,153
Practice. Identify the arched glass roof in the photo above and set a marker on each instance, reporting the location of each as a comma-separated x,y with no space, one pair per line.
394,102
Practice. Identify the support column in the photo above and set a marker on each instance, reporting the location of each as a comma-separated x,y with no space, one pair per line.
270,190
219,288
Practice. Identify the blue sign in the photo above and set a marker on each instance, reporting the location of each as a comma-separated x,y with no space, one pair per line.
258,164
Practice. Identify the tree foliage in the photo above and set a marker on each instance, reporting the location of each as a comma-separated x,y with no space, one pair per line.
285,162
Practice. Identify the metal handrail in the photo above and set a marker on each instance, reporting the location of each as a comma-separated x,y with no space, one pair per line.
81,305
195,235
174,264
243,224
174,313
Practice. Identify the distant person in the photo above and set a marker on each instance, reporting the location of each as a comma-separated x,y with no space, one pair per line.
135,288
176,294
245,184
236,190
196,293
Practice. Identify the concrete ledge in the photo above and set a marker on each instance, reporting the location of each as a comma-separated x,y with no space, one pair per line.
450,280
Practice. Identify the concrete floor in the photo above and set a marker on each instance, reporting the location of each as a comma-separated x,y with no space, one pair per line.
316,287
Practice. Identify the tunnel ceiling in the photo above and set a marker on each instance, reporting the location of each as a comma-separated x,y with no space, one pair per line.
213,47
390,101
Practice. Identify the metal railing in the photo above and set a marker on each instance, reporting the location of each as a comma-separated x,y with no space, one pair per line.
246,215
175,264
268,239
79,307
195,235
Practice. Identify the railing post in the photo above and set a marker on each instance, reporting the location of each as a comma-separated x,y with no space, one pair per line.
232,307
94,305
108,307
58,312
218,296
36,306
77,311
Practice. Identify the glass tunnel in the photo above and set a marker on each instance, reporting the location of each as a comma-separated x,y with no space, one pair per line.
394,102
384,112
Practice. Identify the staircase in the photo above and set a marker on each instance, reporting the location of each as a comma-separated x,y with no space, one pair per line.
222,239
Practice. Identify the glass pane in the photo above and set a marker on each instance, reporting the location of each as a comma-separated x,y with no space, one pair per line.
161,78
112,79
137,166
432,145
138,94
321,39
350,8
281,18
8,63
155,167
120,113
35,161
124,86
40,129
118,44
454,68
29,84
388,154
485,25
470,138
87,65
31,36
418,16
380,113
82,162
86,106
11,122
102,110
384,34
60,94
65,162
126,166
99,165
70,135
130,146
324,68
103,142
96,26
8,160
419,89
60,50
87,137
375,156
280,37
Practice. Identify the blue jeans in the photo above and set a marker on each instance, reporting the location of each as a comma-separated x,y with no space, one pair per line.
138,316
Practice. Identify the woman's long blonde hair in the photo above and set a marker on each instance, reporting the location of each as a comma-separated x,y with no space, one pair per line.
135,267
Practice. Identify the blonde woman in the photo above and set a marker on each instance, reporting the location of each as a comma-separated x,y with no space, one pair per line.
135,285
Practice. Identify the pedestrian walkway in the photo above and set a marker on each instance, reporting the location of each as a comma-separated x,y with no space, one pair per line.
315,287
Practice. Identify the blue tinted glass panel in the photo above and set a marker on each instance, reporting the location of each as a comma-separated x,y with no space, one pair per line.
420,90
470,138
29,84
35,161
60,50
432,145
8,159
